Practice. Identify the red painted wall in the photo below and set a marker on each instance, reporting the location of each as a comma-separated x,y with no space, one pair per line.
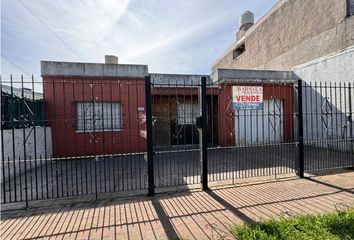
61,93
227,118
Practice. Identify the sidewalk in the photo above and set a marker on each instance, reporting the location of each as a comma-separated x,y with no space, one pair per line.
186,215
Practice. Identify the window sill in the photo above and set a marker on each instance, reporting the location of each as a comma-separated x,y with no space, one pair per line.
106,130
236,58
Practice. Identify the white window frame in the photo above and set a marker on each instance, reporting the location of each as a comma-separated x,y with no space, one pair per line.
187,112
84,113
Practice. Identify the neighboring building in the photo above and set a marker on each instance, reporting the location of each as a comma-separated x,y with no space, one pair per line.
23,128
293,32
315,40
19,92
14,107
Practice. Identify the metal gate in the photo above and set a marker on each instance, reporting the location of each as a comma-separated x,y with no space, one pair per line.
74,137
175,107
328,125
256,139
90,139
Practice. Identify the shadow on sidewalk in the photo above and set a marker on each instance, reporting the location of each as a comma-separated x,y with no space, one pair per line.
164,219
350,190
230,207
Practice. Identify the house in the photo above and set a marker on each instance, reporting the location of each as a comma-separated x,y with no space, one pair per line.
98,109
95,109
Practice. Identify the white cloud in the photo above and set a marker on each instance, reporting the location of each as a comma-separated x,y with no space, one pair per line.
168,35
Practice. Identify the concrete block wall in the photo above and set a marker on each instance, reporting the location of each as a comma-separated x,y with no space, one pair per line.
14,159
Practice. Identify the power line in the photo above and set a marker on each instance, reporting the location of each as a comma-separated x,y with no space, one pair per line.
20,68
49,29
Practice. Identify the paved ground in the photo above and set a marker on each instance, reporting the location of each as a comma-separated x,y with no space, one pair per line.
171,169
186,215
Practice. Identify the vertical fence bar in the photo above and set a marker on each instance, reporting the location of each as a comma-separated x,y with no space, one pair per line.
3,155
300,170
14,148
102,108
45,123
203,135
350,119
33,122
23,104
94,135
150,151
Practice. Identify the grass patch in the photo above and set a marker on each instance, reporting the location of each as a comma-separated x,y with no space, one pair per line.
338,225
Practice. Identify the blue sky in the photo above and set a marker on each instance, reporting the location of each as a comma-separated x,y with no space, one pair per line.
171,36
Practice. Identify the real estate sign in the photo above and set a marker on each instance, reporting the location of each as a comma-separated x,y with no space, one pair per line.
247,97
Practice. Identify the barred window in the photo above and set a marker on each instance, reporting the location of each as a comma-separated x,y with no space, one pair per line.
186,113
98,116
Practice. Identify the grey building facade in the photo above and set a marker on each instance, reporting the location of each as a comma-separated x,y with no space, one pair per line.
292,33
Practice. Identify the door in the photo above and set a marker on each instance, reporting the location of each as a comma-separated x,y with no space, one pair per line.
185,130
260,126
161,124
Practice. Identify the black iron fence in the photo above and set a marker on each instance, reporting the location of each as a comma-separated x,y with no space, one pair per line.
92,140
100,135
328,125
256,138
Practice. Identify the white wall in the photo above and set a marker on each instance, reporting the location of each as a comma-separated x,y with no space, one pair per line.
337,67
323,77
17,149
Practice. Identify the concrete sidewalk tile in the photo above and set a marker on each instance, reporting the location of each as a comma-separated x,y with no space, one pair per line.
186,215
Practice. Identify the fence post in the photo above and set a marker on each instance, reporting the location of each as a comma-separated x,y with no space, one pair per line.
300,170
149,143
350,119
23,104
3,155
203,135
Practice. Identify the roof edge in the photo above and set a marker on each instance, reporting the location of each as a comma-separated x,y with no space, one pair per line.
53,68
275,7
245,74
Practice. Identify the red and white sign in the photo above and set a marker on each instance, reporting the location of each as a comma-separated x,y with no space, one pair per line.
247,97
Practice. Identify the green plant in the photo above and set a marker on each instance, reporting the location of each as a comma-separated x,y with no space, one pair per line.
337,225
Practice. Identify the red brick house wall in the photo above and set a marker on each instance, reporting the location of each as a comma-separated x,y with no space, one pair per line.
61,95
227,117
